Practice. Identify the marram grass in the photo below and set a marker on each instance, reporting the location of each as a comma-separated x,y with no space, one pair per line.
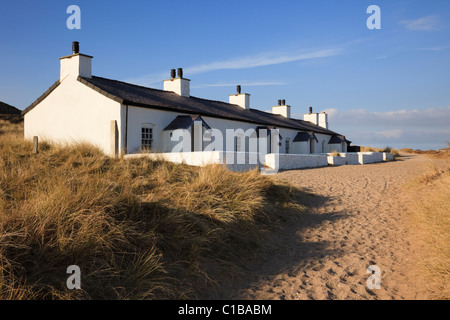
138,229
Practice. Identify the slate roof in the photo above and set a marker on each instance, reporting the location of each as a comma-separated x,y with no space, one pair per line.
305,136
266,130
134,95
184,122
335,139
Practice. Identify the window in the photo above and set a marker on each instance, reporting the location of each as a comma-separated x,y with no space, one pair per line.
238,143
146,139
287,145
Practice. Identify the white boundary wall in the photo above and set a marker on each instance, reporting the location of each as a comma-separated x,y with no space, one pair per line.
295,161
351,158
235,161
336,160
240,161
388,156
370,157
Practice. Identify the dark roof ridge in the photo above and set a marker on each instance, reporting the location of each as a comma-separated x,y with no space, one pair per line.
130,84
146,97
246,113
106,94
161,90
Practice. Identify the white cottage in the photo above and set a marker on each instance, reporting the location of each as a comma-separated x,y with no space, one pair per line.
123,118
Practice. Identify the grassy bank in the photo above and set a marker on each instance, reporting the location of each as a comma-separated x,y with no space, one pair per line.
433,154
138,229
429,208
387,149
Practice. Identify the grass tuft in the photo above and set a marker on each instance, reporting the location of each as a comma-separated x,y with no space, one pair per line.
430,212
388,149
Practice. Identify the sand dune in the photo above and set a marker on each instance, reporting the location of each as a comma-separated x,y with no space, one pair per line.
357,221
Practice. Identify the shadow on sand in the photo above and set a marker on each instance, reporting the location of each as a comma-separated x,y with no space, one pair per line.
284,250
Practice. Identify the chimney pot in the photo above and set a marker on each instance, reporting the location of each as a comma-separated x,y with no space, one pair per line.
238,88
179,85
76,64
282,109
75,47
310,109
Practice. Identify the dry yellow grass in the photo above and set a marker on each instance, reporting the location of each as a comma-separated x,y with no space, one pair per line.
429,208
335,153
138,229
395,152
434,154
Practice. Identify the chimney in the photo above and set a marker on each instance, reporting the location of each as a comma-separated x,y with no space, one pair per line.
75,47
76,64
319,119
179,85
241,99
323,120
282,109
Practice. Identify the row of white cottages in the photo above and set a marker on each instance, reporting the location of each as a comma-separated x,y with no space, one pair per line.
123,118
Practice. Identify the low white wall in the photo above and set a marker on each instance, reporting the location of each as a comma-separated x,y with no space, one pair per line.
336,160
243,161
388,156
370,157
235,161
351,158
295,161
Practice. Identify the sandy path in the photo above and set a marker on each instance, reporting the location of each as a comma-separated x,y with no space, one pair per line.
357,222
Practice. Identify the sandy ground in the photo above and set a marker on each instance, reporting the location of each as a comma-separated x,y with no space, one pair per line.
357,221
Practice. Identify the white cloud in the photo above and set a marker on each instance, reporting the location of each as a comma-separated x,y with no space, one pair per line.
412,117
243,83
428,23
264,59
259,60
416,128
390,134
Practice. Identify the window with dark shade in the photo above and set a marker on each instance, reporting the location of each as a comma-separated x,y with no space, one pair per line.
146,139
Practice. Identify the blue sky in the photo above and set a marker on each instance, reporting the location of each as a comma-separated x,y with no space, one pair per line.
380,87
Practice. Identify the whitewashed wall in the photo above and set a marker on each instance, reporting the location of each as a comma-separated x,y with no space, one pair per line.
295,161
300,147
235,161
370,157
243,161
388,156
74,112
336,160
351,158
